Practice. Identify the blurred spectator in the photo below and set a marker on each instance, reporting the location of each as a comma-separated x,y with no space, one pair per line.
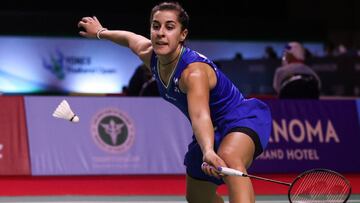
270,53
294,79
124,90
329,49
342,49
308,54
238,56
149,88
357,50
347,50
141,83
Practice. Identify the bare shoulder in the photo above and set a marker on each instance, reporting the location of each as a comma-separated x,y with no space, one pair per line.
196,69
204,68
198,73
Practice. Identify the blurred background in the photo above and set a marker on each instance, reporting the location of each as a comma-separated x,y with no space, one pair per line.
336,21
248,30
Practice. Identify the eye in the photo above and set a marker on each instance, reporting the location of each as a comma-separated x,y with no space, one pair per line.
170,27
155,26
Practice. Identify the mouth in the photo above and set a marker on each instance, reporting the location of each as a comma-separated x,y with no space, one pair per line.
161,43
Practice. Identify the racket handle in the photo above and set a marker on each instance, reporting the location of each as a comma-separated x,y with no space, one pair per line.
230,172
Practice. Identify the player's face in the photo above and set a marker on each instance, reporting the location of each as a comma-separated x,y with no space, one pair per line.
166,33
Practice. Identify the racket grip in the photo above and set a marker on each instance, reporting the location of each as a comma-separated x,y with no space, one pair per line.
230,171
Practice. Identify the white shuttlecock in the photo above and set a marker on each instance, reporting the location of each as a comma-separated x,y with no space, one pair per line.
64,111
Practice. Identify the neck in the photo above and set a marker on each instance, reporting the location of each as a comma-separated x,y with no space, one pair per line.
172,60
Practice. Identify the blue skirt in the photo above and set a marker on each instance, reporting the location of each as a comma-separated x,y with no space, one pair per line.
253,118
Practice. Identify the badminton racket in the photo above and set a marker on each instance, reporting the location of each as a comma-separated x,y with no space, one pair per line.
312,186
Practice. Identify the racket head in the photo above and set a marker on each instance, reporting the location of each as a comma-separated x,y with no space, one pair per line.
319,186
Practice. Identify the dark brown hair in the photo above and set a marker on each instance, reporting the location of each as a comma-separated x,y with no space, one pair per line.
172,6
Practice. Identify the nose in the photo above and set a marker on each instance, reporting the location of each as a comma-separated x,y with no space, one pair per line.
161,31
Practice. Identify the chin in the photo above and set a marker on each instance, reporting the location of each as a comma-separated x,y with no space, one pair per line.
161,51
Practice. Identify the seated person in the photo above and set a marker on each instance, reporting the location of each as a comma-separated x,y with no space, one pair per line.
149,89
142,83
294,79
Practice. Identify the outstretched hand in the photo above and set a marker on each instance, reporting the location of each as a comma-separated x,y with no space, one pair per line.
211,164
91,26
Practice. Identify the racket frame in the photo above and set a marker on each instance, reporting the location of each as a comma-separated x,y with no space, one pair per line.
319,170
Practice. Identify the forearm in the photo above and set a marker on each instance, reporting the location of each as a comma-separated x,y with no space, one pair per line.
140,45
204,132
195,83
124,38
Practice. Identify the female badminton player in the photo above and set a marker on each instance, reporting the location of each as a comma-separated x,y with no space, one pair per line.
229,130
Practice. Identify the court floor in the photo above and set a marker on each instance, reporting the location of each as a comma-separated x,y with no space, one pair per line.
134,199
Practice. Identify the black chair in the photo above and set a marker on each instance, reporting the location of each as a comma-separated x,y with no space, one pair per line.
300,87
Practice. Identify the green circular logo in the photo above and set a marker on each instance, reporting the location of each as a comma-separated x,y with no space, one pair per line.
112,130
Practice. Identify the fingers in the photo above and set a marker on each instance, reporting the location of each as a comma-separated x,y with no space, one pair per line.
82,33
87,19
210,170
90,26
211,163
95,18
83,22
80,24
90,20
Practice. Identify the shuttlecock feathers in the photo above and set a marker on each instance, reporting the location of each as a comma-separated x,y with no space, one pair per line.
64,111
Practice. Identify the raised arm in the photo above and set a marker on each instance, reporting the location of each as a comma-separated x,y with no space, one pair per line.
140,45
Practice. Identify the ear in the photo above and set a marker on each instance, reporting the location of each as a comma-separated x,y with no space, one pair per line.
285,58
183,35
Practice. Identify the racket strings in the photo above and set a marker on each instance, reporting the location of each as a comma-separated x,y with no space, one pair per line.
303,189
319,187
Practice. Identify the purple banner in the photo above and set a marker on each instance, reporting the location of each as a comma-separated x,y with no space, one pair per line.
119,135
310,134
115,135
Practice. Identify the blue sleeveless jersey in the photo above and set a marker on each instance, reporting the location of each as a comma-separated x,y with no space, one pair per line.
228,107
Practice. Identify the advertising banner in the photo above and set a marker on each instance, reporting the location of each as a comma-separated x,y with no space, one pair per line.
123,135
115,135
310,134
14,157
63,65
